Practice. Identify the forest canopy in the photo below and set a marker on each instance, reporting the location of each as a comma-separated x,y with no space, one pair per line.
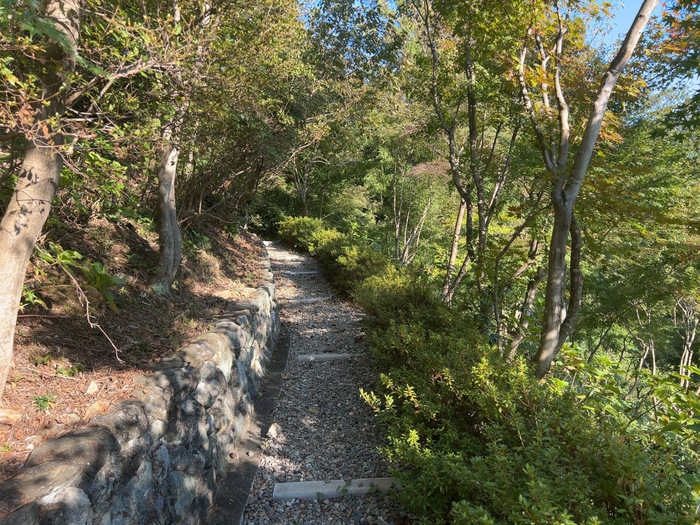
515,205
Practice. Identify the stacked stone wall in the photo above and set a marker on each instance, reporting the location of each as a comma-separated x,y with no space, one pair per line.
156,459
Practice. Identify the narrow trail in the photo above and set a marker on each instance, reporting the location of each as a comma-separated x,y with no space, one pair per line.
322,429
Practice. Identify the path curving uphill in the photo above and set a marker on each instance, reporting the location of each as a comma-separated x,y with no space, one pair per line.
321,463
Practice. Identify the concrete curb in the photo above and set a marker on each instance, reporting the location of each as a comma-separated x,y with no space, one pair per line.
326,357
312,490
306,300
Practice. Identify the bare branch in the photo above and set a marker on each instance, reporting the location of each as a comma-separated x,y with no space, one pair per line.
595,120
564,131
530,110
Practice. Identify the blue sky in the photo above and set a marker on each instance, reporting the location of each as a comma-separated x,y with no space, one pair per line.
623,19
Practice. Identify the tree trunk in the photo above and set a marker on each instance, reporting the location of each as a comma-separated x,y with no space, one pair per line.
410,248
556,286
520,332
24,218
39,176
170,238
568,183
689,323
453,252
575,284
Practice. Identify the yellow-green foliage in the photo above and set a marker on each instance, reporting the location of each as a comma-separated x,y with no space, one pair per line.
346,262
298,232
354,264
476,439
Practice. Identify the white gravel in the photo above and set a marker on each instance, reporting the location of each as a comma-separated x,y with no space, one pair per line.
326,431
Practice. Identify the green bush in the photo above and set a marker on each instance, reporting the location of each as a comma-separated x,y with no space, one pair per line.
353,264
329,245
401,296
345,262
476,439
326,244
298,232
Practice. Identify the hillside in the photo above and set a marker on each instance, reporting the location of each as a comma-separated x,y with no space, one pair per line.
64,371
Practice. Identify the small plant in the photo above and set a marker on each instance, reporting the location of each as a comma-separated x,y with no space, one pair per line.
196,240
99,282
42,359
5,447
70,371
189,322
29,298
320,496
44,402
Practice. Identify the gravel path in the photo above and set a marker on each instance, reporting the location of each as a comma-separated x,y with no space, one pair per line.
326,431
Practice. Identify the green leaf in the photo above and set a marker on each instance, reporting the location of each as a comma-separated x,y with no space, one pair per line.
671,427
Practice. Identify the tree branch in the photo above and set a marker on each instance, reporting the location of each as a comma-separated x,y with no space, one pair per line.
530,110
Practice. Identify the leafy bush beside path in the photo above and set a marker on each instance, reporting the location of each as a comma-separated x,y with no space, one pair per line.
476,439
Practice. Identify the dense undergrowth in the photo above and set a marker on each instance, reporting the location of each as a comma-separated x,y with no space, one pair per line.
476,439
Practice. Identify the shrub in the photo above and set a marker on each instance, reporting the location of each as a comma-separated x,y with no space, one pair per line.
326,244
486,443
477,439
346,263
298,232
399,295
353,265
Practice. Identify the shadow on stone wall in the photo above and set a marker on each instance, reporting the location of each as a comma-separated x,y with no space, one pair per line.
156,459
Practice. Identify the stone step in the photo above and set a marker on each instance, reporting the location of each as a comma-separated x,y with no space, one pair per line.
291,272
326,357
313,490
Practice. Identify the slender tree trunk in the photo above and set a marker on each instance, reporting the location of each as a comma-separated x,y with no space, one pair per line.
410,248
524,321
568,183
458,278
689,323
170,238
647,344
320,201
24,218
38,179
455,247
556,286
532,256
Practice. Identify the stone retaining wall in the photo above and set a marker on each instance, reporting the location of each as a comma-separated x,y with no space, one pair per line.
156,459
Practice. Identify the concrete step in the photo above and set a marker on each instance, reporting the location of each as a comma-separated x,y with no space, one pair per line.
306,300
312,490
326,357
